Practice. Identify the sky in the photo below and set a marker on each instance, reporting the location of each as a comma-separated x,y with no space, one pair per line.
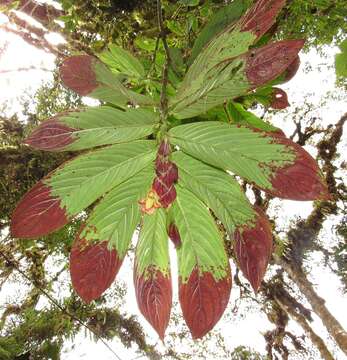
307,86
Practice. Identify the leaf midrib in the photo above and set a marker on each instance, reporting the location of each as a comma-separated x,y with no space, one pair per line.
242,155
210,192
75,189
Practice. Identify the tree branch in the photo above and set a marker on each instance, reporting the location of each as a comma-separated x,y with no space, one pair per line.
300,319
25,69
334,328
55,303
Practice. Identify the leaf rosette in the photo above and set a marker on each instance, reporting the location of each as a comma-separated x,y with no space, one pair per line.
141,165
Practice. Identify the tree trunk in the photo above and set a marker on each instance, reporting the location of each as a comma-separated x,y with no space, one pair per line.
317,303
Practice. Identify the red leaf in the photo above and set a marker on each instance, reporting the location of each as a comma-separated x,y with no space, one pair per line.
78,74
301,180
167,170
154,299
174,235
292,69
165,190
40,12
267,62
38,213
93,268
51,135
164,148
259,18
253,248
203,301
279,99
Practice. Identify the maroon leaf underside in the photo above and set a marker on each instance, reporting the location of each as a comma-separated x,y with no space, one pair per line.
253,249
261,16
174,235
38,213
267,62
292,69
78,74
279,99
167,176
154,299
93,268
51,135
166,192
203,301
301,180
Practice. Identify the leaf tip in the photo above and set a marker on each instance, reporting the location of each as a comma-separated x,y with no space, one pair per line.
253,249
279,100
203,301
300,180
50,135
93,268
154,298
78,74
267,62
174,235
261,16
37,214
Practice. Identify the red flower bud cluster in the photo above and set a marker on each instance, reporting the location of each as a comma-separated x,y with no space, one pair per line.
167,175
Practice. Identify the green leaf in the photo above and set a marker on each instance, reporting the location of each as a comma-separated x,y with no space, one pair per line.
176,58
246,152
202,245
223,82
341,64
343,46
225,16
190,2
175,27
233,77
152,248
88,76
115,218
243,117
83,180
90,127
152,280
208,81
120,60
218,190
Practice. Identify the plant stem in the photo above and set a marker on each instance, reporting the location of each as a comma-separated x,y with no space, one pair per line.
163,95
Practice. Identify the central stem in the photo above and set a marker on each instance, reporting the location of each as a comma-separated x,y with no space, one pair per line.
163,109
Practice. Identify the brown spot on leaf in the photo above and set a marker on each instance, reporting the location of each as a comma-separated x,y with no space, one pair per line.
78,74
267,62
51,135
253,249
38,213
93,268
154,298
203,301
